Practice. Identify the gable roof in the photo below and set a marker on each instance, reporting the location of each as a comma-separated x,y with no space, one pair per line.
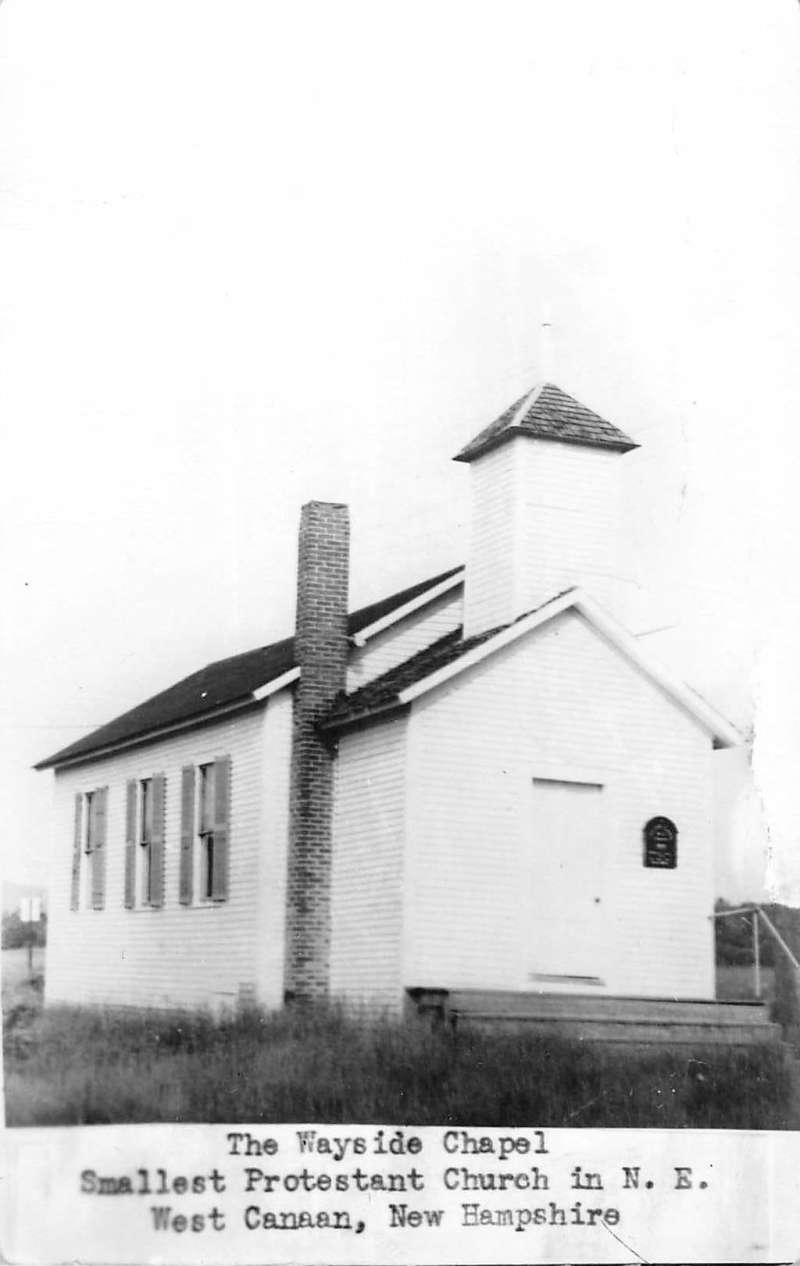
360,623
453,654
387,690
448,584
548,413
226,685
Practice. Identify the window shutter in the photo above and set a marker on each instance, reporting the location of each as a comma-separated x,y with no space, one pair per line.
222,799
75,890
130,845
99,848
157,841
187,836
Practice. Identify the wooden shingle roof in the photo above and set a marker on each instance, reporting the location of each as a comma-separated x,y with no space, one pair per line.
454,654
219,686
548,413
384,691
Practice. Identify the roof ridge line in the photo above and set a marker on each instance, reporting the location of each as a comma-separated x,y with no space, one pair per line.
231,680
527,403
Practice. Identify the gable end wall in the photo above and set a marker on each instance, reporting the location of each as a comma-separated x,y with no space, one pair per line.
561,698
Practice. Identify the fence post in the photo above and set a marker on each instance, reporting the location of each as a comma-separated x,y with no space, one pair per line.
756,955
786,1009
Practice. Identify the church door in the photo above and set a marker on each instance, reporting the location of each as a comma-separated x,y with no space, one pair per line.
565,883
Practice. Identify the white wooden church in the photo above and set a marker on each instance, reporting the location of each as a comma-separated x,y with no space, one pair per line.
478,787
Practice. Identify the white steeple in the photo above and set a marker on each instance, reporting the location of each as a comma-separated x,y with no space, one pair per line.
545,509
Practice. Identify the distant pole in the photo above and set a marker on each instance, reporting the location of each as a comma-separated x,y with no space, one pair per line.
756,954
30,912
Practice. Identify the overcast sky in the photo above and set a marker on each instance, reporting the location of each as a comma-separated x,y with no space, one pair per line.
257,253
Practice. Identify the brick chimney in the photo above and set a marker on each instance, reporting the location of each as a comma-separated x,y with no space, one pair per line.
321,654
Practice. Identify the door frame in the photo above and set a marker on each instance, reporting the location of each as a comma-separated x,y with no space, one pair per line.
602,776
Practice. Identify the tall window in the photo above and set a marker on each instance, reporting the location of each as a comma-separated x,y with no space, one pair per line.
206,831
146,839
91,821
89,802
89,840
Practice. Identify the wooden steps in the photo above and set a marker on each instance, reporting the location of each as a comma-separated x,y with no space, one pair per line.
593,1018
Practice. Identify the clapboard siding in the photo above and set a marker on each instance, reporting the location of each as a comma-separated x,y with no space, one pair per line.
545,518
489,583
569,523
202,954
561,698
367,896
398,643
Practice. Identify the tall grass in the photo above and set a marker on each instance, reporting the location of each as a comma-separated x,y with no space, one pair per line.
71,1066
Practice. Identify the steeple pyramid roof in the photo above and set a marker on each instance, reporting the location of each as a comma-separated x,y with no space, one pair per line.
548,413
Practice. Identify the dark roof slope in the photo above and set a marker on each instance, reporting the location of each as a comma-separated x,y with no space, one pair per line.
548,413
218,685
366,616
223,684
385,690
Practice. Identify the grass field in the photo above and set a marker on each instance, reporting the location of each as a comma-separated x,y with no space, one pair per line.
88,1066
